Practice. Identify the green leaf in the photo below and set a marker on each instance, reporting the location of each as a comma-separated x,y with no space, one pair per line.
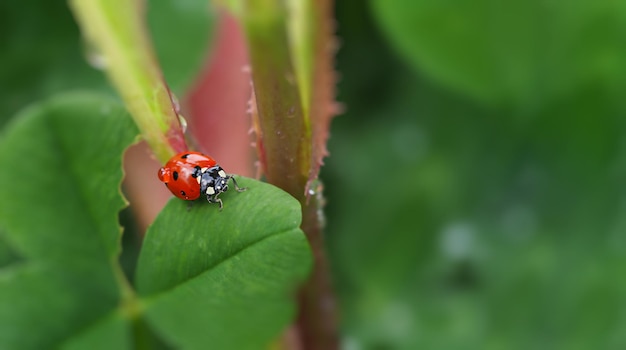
70,148
514,51
58,62
62,159
205,277
224,279
111,332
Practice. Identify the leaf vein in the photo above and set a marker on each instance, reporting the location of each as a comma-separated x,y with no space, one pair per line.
155,295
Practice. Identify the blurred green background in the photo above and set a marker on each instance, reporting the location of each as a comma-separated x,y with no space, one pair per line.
475,186
476,195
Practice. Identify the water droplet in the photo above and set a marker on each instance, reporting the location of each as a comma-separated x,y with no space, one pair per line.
397,320
458,240
350,343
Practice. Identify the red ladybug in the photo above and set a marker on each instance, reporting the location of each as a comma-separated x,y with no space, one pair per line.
188,175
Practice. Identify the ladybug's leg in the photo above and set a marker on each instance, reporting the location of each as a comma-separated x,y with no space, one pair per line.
213,199
239,189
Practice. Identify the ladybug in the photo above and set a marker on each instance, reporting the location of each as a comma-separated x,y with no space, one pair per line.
188,175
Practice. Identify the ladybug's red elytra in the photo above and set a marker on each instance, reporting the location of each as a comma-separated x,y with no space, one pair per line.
188,175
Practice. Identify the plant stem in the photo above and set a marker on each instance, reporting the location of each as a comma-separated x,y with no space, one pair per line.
283,79
115,30
284,140
317,321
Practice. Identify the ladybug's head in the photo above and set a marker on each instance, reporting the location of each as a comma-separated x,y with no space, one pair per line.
165,174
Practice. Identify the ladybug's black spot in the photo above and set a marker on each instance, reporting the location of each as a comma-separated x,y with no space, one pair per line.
196,172
175,175
182,193
184,156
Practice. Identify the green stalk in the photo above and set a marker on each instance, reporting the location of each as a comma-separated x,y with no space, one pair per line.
115,30
289,43
285,150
